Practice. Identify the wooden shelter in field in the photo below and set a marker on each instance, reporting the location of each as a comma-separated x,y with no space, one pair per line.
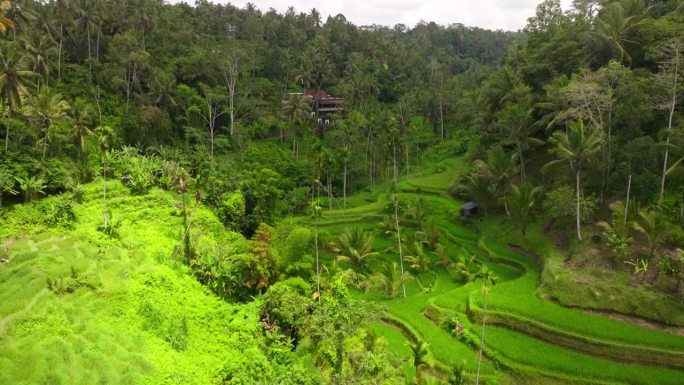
468,210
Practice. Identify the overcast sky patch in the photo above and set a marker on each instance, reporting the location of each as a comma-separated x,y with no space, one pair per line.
489,14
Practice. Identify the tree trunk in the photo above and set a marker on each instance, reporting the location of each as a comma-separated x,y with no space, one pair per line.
662,179
629,188
211,134
577,200
315,217
407,158
401,254
7,129
344,186
479,360
673,104
522,162
90,65
45,142
441,116
59,54
104,190
329,191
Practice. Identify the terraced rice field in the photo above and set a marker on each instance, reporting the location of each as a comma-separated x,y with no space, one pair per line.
526,335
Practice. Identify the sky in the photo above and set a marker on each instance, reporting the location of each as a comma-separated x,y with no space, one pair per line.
489,14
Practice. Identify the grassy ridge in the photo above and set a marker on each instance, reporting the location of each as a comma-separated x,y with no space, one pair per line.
78,307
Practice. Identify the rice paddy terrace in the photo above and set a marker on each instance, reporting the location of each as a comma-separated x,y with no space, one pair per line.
537,340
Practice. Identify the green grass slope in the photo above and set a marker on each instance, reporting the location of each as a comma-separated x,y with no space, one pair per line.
77,307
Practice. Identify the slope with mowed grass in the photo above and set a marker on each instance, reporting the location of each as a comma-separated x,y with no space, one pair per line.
78,307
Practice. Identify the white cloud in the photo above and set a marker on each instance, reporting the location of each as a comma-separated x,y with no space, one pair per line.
490,14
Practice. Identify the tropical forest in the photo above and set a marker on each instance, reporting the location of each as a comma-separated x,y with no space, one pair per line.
216,194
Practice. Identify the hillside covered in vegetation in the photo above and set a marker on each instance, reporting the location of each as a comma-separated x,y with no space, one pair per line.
206,194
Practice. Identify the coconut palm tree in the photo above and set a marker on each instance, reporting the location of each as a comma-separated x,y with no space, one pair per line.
162,90
31,187
88,19
39,48
615,22
82,115
419,354
577,147
390,279
480,189
355,247
518,121
653,225
46,109
15,77
296,109
521,201
62,11
416,256
499,167
487,277
465,267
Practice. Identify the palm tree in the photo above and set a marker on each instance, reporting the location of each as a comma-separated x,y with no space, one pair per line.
315,211
521,201
652,224
88,19
576,147
62,10
669,77
499,168
419,353
45,109
390,279
355,246
479,189
39,48
296,108
82,115
416,256
458,375
520,123
395,203
31,186
162,89
487,277
465,266
616,21
14,79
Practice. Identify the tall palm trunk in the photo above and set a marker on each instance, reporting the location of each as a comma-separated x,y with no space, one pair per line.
401,254
7,130
344,186
522,162
90,55
479,360
61,43
315,217
104,190
577,201
673,104
629,188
